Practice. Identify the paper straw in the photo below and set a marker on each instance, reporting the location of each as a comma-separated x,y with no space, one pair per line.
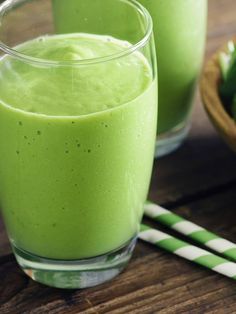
187,251
191,230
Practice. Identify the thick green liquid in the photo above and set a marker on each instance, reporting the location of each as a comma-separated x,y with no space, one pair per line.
76,146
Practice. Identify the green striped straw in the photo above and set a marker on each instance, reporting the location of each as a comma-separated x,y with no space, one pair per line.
191,230
187,251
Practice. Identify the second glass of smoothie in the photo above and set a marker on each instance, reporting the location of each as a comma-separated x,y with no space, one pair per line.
180,34
78,114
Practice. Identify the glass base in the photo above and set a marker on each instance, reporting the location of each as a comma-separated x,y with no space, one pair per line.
170,141
75,274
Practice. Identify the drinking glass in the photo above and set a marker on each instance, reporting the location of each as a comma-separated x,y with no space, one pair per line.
78,112
180,34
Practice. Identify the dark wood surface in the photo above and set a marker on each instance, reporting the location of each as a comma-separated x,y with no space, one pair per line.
198,182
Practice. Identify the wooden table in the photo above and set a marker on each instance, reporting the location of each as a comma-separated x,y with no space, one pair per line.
198,182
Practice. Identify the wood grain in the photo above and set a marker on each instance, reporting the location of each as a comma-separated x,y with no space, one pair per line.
198,182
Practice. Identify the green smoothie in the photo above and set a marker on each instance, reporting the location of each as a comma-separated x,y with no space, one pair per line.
76,146
180,33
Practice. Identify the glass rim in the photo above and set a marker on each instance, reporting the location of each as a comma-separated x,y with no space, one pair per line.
4,7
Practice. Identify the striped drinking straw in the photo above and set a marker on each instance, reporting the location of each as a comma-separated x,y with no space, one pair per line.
191,230
187,251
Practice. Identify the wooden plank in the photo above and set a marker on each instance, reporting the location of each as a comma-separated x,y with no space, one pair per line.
4,243
155,281
203,165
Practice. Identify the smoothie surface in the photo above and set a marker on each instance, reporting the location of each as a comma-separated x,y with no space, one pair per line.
79,89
